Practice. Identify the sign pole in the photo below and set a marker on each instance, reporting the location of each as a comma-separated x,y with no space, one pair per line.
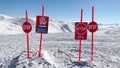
80,45
92,13
39,54
81,15
40,48
27,27
43,10
92,27
92,47
26,16
28,47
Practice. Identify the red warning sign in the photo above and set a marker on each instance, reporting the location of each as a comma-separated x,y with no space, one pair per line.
80,30
92,26
27,27
42,24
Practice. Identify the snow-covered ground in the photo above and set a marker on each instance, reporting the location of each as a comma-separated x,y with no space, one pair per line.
59,49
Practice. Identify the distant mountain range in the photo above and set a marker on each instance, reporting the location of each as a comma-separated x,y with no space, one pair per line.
11,25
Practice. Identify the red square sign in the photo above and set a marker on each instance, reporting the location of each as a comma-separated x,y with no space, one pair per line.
42,24
80,30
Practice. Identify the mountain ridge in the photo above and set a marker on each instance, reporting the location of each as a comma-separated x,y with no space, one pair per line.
12,25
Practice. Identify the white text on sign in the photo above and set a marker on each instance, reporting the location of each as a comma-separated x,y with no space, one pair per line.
26,27
92,27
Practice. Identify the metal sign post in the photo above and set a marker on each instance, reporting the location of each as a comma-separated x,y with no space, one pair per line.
92,27
80,33
41,27
27,27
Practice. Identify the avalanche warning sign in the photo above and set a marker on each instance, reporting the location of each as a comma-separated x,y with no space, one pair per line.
42,24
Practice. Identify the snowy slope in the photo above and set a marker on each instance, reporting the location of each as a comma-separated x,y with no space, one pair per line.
5,17
60,50
7,27
56,26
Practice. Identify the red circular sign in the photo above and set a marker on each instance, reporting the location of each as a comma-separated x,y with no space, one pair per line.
81,28
27,27
92,26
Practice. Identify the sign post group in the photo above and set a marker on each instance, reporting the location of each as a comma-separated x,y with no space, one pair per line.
81,33
41,27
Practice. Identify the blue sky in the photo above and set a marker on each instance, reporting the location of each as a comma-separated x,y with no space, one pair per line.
106,11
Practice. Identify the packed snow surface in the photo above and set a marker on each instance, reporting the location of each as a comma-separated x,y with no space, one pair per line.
59,49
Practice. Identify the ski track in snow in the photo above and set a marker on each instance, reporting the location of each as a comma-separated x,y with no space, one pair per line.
60,50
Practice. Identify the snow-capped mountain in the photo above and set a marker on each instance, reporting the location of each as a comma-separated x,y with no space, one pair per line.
5,17
11,25
7,26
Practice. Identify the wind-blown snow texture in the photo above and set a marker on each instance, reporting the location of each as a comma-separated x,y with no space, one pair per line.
60,50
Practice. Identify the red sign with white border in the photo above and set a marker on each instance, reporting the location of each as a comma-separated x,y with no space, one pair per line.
27,27
80,30
92,26
42,24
